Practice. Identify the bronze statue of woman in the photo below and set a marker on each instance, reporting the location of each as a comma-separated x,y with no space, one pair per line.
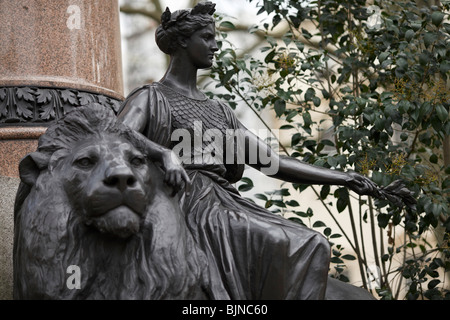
254,254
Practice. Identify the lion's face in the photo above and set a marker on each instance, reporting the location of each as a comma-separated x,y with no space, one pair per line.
107,181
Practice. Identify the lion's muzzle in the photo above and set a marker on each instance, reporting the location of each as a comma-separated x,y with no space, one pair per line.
117,203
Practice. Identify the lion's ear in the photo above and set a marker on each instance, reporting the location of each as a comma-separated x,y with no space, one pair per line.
31,165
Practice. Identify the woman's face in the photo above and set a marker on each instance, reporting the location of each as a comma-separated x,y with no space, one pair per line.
201,46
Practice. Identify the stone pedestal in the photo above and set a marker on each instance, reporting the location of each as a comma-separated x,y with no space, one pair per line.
64,43
54,56
15,142
8,187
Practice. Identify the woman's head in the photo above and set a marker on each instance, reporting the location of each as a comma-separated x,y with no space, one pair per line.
182,24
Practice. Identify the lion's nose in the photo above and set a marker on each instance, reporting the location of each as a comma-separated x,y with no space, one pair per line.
120,177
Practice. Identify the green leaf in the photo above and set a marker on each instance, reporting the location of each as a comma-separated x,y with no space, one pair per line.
241,64
269,6
332,161
433,283
227,25
318,224
441,112
327,142
245,187
305,66
282,192
295,139
261,196
409,35
247,180
424,58
325,191
326,94
292,203
296,220
402,63
279,203
307,120
341,204
437,17
316,101
226,78
348,257
247,184
301,214
383,56
280,107
276,20
336,260
434,158
383,220
309,94
291,115
444,67
270,56
429,38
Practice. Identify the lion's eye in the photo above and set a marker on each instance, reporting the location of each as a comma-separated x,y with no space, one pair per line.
137,161
85,163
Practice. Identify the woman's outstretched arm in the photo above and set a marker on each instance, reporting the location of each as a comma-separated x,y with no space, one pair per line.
260,156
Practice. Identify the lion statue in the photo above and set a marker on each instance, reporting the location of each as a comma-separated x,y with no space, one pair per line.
91,198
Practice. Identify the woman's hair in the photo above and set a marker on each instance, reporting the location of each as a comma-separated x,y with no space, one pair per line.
181,24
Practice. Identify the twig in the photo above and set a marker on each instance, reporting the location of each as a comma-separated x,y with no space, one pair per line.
357,247
363,246
372,229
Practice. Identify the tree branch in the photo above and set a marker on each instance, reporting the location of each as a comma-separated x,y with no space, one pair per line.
154,15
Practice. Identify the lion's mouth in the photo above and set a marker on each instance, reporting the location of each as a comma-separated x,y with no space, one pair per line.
103,202
115,212
120,221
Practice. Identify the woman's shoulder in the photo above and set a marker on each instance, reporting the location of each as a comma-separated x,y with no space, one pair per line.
144,89
140,97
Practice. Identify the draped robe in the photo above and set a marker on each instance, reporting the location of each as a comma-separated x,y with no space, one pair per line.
252,252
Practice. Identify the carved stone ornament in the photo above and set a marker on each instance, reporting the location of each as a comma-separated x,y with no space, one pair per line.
38,105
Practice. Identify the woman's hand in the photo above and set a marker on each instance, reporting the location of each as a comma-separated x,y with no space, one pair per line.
361,185
175,175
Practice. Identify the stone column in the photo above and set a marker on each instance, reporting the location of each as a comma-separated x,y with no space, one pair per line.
54,56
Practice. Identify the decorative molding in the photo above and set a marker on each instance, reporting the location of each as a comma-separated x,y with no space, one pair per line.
41,105
21,133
